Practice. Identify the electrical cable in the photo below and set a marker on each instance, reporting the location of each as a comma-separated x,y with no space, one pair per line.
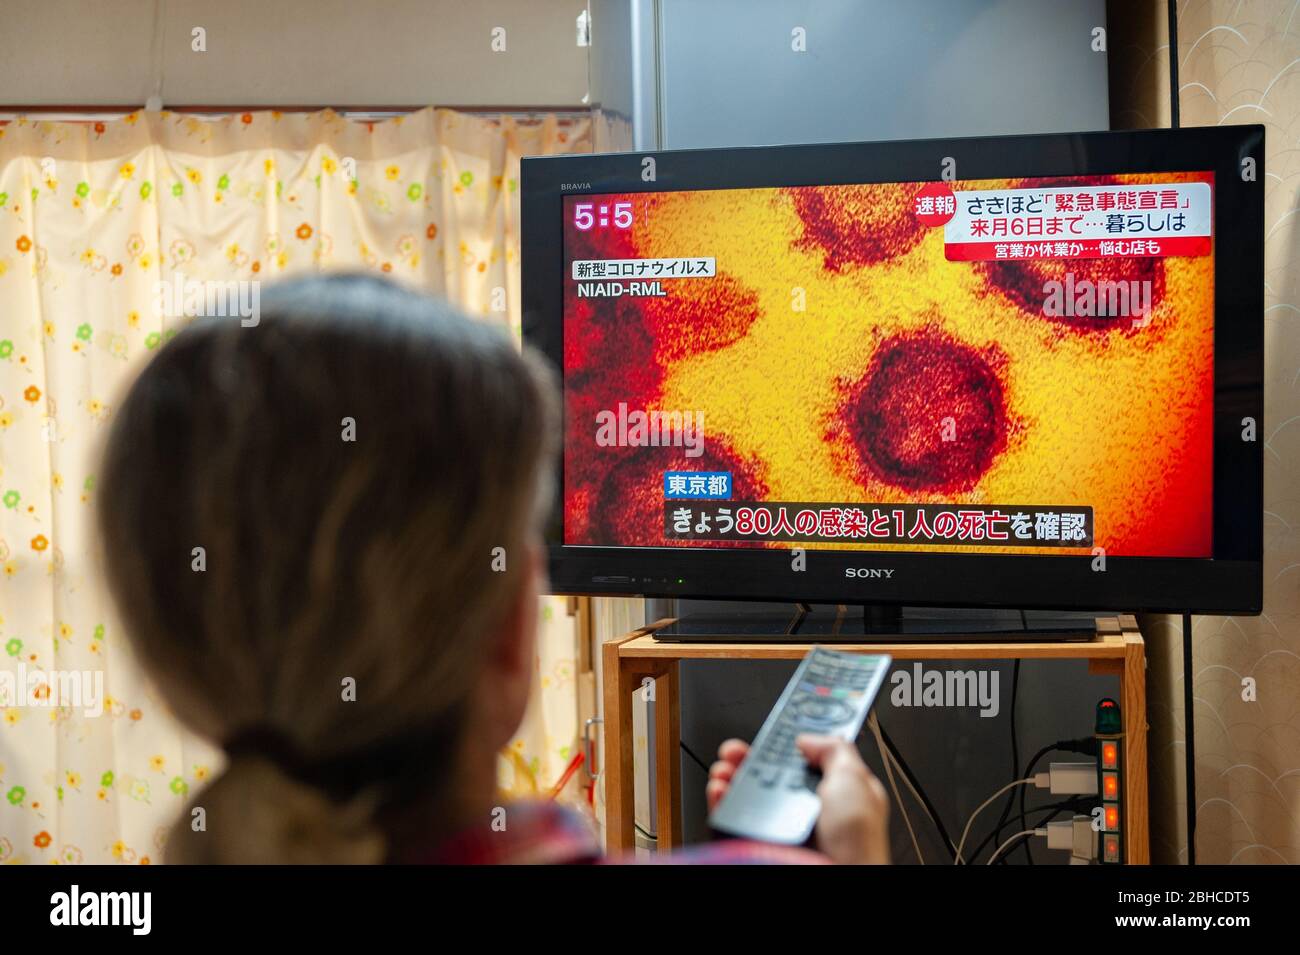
918,791
887,755
1015,746
1086,745
966,832
1018,835
1029,769
893,786
1174,119
687,750
1189,733
1073,804
1189,703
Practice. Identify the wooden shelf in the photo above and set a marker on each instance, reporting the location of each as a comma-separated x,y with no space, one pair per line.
1105,647
1116,649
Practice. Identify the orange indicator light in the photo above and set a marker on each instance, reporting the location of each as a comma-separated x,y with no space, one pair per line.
1109,756
1110,785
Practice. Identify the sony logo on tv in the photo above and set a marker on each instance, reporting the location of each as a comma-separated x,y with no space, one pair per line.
573,186
885,572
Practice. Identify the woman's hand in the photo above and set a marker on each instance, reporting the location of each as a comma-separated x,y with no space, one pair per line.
730,755
853,827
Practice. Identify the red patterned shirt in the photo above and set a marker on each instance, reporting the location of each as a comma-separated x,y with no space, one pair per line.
545,833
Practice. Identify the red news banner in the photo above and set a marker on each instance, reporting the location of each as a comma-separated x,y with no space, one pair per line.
1074,222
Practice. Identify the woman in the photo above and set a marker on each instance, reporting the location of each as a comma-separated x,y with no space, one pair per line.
323,535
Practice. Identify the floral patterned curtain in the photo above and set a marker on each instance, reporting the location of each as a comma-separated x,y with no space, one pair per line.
93,216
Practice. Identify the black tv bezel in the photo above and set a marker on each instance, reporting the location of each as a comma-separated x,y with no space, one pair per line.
1229,582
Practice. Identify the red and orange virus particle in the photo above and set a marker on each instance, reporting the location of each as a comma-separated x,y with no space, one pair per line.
629,506
701,317
928,415
1026,282
856,225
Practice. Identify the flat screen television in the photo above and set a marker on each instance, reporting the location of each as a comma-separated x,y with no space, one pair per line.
1013,372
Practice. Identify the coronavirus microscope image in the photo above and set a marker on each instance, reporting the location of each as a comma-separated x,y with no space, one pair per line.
838,356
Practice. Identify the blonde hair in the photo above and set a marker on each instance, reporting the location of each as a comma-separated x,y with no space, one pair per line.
326,559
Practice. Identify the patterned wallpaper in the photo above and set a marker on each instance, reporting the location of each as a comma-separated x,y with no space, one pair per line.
1239,62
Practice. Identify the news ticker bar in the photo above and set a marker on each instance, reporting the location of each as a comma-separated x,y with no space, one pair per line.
1025,526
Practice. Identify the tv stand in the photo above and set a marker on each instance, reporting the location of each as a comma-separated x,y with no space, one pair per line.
1114,647
830,624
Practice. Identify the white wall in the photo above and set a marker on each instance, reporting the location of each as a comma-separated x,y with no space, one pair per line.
293,53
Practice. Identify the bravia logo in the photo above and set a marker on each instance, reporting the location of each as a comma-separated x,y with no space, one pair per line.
573,186
869,572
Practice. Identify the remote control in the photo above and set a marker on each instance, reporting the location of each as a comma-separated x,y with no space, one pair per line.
772,797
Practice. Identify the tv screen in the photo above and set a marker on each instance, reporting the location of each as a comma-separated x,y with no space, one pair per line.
1021,372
